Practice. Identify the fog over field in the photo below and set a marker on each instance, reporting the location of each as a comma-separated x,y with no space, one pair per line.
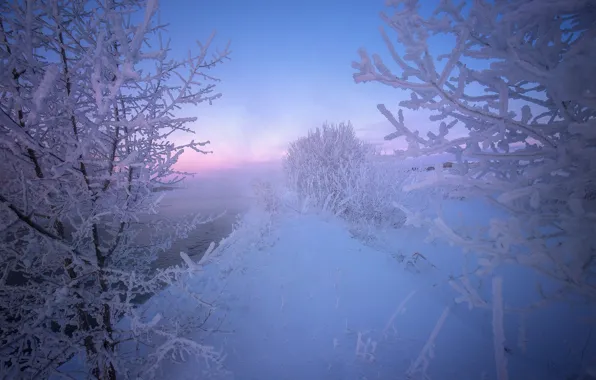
227,191
231,191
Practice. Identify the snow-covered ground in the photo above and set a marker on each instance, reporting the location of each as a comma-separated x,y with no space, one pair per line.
303,295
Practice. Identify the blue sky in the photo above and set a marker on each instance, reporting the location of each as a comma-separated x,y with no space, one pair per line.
290,72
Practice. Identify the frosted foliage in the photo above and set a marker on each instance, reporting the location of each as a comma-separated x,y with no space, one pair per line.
333,170
514,101
87,105
315,162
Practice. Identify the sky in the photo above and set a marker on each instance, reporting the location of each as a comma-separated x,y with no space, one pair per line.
290,71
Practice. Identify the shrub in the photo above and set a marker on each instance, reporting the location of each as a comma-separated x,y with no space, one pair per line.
320,163
528,140
337,172
516,95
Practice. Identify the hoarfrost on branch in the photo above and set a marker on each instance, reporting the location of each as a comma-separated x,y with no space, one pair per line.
88,102
514,101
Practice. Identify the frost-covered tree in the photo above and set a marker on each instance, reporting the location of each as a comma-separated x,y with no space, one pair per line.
514,100
315,163
88,101
331,168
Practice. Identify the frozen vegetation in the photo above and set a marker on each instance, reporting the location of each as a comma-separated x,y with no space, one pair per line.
468,255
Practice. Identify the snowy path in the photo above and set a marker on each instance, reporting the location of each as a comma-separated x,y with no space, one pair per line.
318,304
302,299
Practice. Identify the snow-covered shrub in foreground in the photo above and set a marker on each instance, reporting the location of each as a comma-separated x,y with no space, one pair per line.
515,103
87,100
531,133
333,170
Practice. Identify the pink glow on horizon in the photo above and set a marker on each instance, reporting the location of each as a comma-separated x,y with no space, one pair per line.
235,144
196,162
271,146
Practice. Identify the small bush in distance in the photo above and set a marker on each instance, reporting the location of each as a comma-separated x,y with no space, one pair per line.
316,165
338,172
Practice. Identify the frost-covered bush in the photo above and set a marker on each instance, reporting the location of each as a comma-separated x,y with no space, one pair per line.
371,195
514,101
518,92
332,169
87,104
320,163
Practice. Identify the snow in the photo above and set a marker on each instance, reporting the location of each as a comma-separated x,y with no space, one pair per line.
305,295
299,293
